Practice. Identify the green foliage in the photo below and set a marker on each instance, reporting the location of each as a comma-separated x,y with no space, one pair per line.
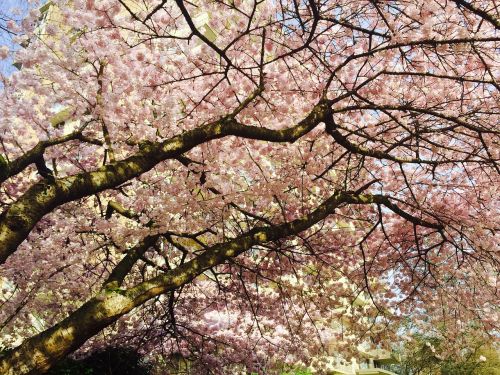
472,364
3,166
298,372
70,367
111,361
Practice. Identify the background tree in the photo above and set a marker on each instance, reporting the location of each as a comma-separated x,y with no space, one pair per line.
223,180
469,354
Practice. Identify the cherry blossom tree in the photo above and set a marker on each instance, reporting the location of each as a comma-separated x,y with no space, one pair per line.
228,181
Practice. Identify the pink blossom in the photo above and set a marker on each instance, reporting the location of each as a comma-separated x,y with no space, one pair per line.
4,52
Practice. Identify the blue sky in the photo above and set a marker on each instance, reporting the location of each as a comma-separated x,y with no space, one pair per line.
10,9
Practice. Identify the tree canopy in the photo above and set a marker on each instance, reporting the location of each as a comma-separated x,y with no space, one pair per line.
243,183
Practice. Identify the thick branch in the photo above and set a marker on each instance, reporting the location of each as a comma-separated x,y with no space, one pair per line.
18,220
121,270
31,156
42,351
39,353
479,12
118,208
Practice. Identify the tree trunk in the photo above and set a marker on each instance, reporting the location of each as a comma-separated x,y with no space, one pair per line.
39,353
